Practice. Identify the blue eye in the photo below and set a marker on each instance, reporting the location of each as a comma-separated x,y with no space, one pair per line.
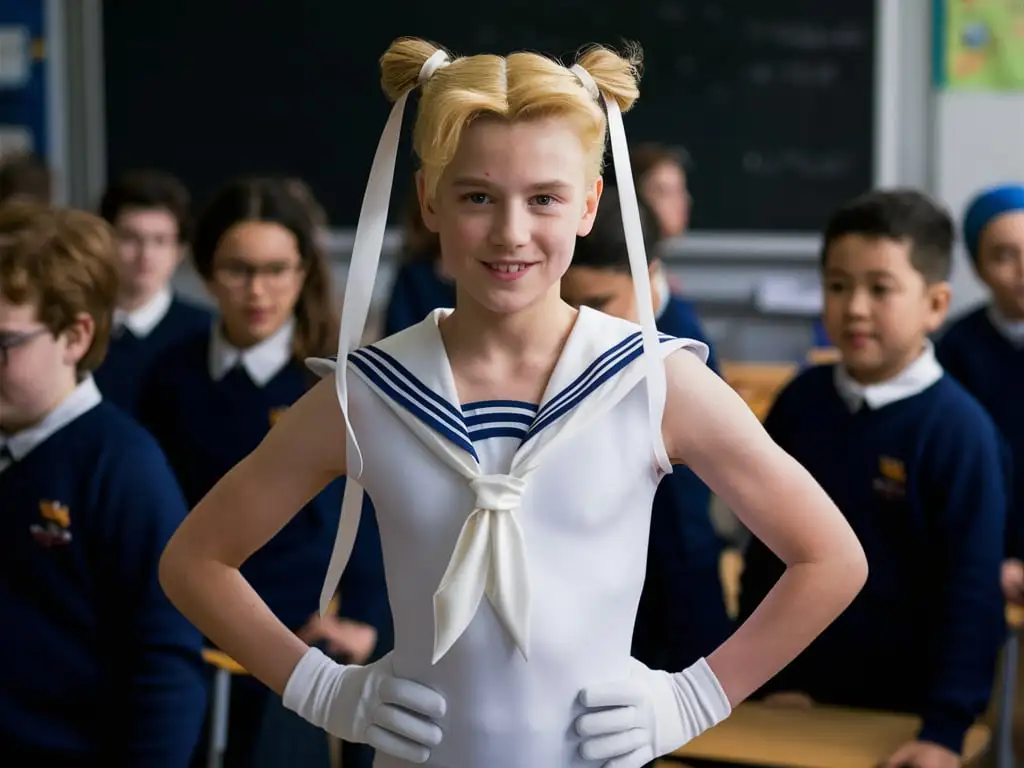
544,200
477,198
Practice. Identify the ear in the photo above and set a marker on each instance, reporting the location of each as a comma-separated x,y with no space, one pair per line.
939,296
590,203
78,338
427,212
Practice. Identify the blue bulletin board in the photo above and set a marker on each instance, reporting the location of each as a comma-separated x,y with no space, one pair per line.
24,104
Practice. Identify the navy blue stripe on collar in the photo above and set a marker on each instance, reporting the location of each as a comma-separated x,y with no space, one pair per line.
603,368
405,394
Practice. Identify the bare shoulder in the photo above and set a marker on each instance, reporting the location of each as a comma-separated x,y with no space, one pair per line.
702,411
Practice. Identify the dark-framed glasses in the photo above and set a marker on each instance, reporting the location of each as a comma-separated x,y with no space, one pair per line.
275,276
13,339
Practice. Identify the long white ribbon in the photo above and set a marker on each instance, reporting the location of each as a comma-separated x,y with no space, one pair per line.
362,273
638,267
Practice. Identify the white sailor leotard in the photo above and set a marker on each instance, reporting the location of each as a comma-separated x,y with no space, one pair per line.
532,518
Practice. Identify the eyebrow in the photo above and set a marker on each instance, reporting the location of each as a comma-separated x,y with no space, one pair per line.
474,181
836,272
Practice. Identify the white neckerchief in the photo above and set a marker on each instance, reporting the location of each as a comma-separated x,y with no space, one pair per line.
1011,330
262,361
143,320
83,398
912,380
493,492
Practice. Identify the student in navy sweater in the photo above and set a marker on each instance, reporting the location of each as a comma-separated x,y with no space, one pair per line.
149,211
682,615
212,399
420,286
985,349
915,464
96,666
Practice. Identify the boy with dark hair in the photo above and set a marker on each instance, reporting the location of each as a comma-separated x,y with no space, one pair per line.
984,349
96,666
150,213
682,615
916,465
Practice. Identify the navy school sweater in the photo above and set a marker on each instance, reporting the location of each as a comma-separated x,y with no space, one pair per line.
416,292
129,357
922,484
682,615
206,427
96,665
992,369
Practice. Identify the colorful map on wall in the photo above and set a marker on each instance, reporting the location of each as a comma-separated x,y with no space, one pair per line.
982,44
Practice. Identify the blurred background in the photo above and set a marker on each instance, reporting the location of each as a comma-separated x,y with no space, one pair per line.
782,109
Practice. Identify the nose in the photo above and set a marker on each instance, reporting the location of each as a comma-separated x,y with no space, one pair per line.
510,228
1019,267
859,303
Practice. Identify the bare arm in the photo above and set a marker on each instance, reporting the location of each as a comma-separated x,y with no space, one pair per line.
199,569
709,428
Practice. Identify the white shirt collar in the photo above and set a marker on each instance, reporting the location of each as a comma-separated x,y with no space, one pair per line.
912,380
83,398
143,320
261,361
1012,330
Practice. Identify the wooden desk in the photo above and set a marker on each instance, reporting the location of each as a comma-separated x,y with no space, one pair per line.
758,383
820,737
1015,616
823,356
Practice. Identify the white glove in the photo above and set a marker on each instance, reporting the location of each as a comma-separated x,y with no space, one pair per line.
367,704
649,714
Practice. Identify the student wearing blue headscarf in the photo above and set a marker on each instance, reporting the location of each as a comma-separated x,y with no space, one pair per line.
985,349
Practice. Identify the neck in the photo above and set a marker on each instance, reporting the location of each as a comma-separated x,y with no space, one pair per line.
129,301
12,424
473,330
1011,314
887,373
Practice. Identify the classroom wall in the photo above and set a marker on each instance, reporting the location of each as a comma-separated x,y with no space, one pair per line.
949,144
979,142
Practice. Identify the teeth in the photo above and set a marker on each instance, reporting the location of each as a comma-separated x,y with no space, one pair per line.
508,267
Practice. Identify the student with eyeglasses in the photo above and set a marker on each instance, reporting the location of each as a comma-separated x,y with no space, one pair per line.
213,399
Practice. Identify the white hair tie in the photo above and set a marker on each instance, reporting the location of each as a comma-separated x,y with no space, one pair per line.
586,81
436,61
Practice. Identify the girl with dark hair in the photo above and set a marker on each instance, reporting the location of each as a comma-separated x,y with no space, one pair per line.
213,399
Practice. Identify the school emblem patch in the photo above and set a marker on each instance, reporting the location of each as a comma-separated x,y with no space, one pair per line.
892,480
55,527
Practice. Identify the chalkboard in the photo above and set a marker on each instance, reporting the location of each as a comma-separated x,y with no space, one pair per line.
773,99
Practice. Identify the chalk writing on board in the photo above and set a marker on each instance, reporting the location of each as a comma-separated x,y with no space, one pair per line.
799,162
806,36
795,74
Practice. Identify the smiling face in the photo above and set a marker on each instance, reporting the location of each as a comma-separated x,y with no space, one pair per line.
879,308
508,209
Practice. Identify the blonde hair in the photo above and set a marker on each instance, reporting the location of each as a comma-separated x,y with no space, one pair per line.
521,86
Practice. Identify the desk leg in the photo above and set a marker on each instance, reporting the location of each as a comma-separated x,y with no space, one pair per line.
1008,695
219,718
